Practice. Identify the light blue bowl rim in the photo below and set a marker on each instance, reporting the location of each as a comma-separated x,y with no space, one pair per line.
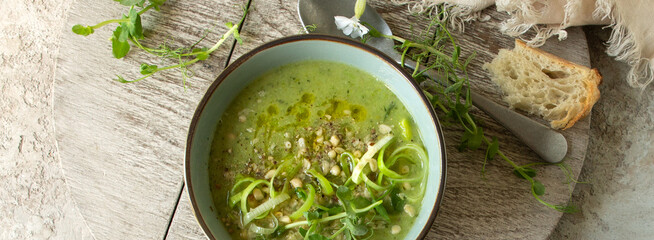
309,37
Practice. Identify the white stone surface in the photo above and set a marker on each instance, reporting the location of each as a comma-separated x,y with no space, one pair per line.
34,200
618,201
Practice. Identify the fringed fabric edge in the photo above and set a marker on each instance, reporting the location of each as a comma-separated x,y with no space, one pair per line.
623,46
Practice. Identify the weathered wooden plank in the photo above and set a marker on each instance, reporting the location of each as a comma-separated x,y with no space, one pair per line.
122,145
184,225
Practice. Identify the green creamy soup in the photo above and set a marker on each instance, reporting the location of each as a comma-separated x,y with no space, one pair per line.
317,149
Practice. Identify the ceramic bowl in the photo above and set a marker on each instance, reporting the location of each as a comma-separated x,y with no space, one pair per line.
301,48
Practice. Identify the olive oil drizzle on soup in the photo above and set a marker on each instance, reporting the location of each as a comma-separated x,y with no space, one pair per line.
297,155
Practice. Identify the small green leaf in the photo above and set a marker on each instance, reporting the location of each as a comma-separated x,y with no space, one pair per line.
538,188
313,215
475,140
454,87
302,231
157,3
383,213
121,79
204,49
202,56
311,28
135,20
492,149
119,48
397,202
148,69
301,194
237,36
566,209
316,236
388,110
82,30
121,33
229,24
461,109
355,229
526,170
335,210
372,31
129,3
343,193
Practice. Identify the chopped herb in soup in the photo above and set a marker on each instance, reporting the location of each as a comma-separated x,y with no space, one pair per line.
317,150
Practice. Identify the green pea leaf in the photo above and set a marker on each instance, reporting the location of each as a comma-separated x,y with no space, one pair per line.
492,149
527,170
237,36
454,87
130,3
302,231
335,210
343,193
354,228
397,202
475,140
119,45
313,215
316,236
120,79
82,30
148,69
538,188
301,194
204,49
372,31
381,210
202,56
134,25
157,3
461,109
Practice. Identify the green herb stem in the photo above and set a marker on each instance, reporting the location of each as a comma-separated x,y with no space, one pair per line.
410,44
145,9
222,39
147,49
99,25
337,232
325,219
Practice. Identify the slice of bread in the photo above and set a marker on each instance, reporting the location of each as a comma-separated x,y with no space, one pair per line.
540,83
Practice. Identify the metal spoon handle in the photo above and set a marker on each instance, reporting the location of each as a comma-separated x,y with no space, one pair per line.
550,145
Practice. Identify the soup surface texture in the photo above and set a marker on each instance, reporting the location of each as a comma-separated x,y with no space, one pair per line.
317,150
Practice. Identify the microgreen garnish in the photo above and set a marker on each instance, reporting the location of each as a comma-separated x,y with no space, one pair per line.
129,32
388,110
450,96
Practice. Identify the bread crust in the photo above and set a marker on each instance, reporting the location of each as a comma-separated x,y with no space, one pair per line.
591,82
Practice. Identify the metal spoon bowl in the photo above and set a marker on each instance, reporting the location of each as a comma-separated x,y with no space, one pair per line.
550,145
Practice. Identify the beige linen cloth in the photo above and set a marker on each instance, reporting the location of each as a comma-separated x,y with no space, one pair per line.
632,21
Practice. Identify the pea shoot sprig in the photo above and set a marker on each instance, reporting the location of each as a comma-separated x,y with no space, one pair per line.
451,98
130,30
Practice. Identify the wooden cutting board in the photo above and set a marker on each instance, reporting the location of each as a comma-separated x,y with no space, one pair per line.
122,145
